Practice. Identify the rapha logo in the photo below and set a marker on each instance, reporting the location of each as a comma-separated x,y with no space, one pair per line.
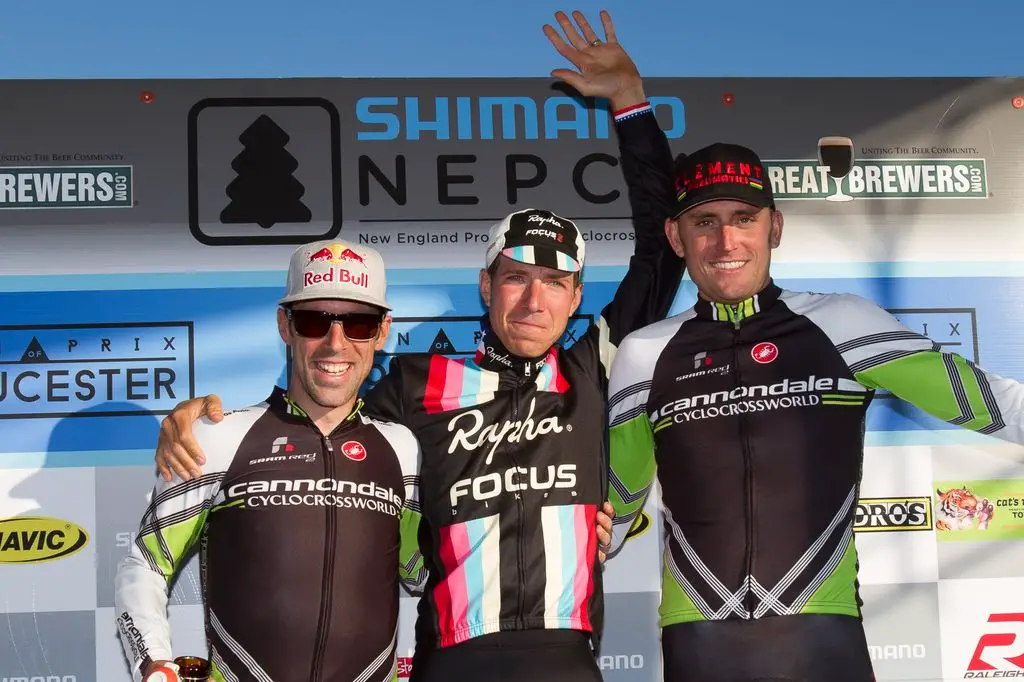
478,435
545,220
503,359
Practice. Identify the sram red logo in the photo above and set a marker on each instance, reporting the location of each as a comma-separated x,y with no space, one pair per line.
1000,649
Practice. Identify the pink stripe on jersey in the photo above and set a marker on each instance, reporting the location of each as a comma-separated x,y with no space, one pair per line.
453,385
584,516
450,595
550,377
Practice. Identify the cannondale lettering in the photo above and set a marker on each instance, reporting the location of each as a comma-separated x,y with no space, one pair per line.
513,480
133,635
323,492
478,435
745,399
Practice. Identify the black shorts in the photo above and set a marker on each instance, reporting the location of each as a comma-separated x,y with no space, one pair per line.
514,656
803,648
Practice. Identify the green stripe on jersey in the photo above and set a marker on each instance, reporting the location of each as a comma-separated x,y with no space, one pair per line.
924,379
632,463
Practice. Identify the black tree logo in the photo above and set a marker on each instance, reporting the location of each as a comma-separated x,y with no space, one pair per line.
265,192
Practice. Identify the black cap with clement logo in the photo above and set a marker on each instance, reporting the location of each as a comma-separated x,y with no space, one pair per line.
537,237
722,171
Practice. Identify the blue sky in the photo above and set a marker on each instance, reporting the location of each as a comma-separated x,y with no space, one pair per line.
232,38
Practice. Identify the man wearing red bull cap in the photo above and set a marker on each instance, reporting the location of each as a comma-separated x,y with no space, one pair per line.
514,442
289,482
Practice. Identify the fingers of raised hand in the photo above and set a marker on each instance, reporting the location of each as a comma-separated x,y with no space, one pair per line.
588,32
570,31
609,28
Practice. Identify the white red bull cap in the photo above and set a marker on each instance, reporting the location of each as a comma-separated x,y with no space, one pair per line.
537,237
339,270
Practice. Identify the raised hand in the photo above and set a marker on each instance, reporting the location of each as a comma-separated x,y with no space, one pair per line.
603,69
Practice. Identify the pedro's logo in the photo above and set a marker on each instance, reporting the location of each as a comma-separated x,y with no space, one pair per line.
34,539
640,525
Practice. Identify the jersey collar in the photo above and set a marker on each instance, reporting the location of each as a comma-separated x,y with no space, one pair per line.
737,312
492,356
281,400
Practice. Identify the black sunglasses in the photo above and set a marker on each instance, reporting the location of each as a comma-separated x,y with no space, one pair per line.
315,324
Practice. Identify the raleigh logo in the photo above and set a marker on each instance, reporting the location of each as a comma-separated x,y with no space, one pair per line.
512,432
34,539
514,480
1000,651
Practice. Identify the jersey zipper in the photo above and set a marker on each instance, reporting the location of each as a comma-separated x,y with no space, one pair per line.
748,471
521,549
327,593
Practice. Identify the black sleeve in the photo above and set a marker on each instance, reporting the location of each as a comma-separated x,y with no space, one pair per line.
384,401
649,287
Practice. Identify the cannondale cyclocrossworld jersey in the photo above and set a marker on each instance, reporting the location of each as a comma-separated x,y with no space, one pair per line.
752,416
298,535
515,449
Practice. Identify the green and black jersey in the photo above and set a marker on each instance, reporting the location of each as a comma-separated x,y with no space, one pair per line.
303,540
752,417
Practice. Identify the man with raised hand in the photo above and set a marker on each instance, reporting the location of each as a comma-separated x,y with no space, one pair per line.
750,409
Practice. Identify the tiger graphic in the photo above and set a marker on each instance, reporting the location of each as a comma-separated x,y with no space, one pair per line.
959,508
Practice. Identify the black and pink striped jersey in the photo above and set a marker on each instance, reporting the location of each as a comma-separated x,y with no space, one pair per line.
515,449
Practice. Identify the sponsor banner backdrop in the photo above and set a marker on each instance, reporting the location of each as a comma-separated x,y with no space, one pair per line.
145,247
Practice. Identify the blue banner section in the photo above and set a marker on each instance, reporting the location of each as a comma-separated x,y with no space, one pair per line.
91,372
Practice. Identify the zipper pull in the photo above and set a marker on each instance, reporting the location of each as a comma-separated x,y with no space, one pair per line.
327,444
527,366
735,316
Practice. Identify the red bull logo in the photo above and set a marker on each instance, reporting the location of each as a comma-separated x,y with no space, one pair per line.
337,276
322,254
350,255
334,254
